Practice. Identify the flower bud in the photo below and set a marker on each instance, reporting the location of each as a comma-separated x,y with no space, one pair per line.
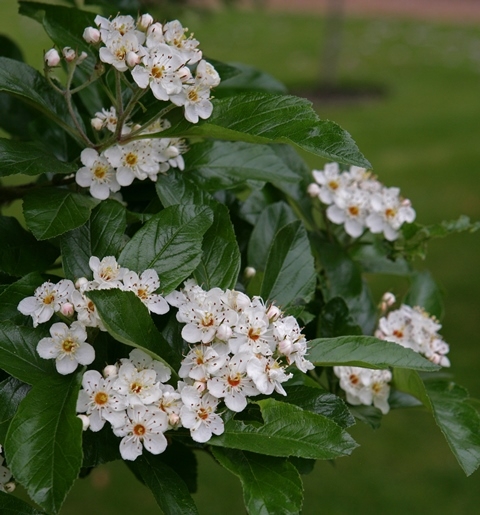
69,54
80,283
273,313
285,347
132,59
144,21
91,35
200,386
97,123
224,332
82,57
67,309
313,189
173,419
52,57
85,421
9,487
110,371
249,272
155,28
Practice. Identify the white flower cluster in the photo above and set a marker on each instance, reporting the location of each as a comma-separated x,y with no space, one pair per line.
6,485
359,201
412,328
67,343
119,165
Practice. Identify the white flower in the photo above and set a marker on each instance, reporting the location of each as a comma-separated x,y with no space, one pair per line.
138,387
196,101
142,361
47,299
107,273
207,74
144,426
5,476
86,312
350,209
108,118
267,374
67,346
116,48
330,181
174,35
198,414
100,402
171,403
253,333
144,288
97,174
201,363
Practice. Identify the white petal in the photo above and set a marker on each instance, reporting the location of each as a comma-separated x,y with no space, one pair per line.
47,349
155,443
85,354
130,448
66,365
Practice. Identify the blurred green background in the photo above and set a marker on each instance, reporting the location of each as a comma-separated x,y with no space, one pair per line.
418,122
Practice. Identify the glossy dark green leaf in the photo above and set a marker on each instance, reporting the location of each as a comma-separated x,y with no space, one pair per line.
18,352
21,252
290,270
369,415
307,435
273,218
100,447
127,319
219,165
44,441
335,320
14,293
270,485
12,392
21,157
458,420
50,212
183,461
375,258
169,490
102,235
179,188
270,118
170,243
10,505
426,293
365,351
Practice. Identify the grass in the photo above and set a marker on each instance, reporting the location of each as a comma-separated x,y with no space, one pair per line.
423,137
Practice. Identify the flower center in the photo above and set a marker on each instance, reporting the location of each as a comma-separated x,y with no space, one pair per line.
193,96
107,274
101,398
139,430
142,293
131,159
208,320
354,379
398,333
49,298
390,213
157,71
353,210
253,334
136,387
100,171
90,306
235,380
333,185
202,413
376,388
69,345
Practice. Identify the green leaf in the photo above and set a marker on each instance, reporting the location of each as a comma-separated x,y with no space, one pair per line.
21,157
170,243
18,352
179,188
50,212
219,165
369,415
426,293
12,392
270,485
127,319
102,235
270,118
169,490
100,447
273,218
376,258
220,262
21,252
290,270
456,418
335,320
287,431
44,442
10,505
365,351
14,293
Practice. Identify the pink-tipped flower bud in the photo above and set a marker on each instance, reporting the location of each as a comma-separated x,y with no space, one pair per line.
82,57
144,21
200,386
91,35
388,300
132,59
67,309
273,313
110,371
52,58
173,419
285,347
313,189
97,123
224,332
155,28
85,421
249,272
69,54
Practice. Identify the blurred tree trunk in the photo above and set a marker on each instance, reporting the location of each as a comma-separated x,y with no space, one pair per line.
332,44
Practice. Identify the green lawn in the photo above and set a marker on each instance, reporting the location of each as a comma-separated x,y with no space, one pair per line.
422,136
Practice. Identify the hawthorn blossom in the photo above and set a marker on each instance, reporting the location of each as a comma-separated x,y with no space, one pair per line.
175,35
139,387
97,174
117,47
195,98
144,288
5,476
350,208
142,361
107,273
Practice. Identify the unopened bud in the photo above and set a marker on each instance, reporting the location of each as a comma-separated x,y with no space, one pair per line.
81,283
200,386
9,487
132,59
52,57
85,421
67,309
144,21
313,189
285,347
69,54
273,313
155,28
91,35
224,332
97,123
82,57
249,272
388,300
110,371
174,419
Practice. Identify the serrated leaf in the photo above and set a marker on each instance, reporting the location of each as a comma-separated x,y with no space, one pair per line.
44,441
270,485
10,505
21,252
101,236
365,351
21,157
14,293
287,431
426,293
290,275
335,320
456,418
100,447
270,118
369,415
127,319
50,212
18,352
169,490
273,218
170,243
177,188
12,392
219,165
